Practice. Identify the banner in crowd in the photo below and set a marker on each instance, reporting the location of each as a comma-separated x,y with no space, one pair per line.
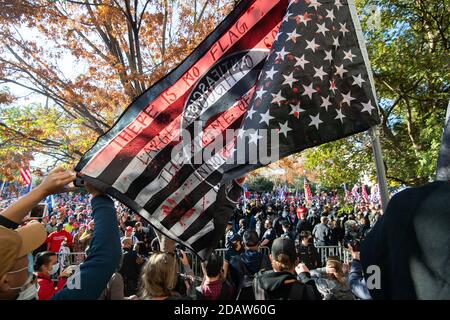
281,76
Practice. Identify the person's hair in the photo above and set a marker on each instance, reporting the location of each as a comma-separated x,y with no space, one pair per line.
285,224
159,276
139,247
127,240
250,238
213,265
323,219
282,263
243,222
334,262
304,235
41,259
268,221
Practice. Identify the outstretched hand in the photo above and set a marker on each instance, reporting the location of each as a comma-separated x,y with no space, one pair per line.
56,181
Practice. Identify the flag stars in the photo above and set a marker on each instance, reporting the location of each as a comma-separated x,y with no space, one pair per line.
328,55
347,98
314,3
293,36
315,121
322,29
289,79
343,28
301,61
340,70
340,115
367,107
349,55
303,18
284,129
270,73
250,113
266,117
260,93
336,43
309,90
295,110
312,45
254,137
326,103
277,98
319,73
338,4
330,14
333,86
358,80
281,54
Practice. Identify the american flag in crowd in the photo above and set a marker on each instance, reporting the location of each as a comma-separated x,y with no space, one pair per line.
364,193
355,192
307,62
25,174
308,194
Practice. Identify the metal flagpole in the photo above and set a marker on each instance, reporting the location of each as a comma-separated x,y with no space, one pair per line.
381,173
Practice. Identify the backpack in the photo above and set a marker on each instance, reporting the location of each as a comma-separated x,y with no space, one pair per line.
245,287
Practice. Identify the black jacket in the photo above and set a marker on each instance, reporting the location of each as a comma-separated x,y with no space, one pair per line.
271,285
410,244
309,256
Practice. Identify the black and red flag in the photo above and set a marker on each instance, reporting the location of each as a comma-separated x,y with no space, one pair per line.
313,85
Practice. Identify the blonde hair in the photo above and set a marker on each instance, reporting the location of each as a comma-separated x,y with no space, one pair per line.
336,265
159,276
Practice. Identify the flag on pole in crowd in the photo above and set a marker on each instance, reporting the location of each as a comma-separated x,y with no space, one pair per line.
308,194
355,192
50,200
299,70
25,175
364,193
375,193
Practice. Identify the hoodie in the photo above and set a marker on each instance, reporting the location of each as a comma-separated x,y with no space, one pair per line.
247,263
272,285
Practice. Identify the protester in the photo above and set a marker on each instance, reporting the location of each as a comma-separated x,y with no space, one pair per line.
307,252
244,266
234,250
46,265
214,286
55,239
281,283
131,267
159,278
269,236
321,232
331,281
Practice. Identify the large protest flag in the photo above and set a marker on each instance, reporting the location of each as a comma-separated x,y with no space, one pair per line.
137,160
315,86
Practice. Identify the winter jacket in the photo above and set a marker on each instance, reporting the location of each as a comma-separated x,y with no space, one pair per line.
47,288
329,288
357,282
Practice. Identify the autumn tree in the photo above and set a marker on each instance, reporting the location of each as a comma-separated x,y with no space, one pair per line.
88,60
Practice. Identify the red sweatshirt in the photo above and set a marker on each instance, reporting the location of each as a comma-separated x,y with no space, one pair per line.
47,288
55,239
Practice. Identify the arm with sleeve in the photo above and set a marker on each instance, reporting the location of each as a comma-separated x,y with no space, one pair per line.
103,257
357,282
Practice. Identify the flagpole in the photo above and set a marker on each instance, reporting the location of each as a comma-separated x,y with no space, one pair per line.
381,173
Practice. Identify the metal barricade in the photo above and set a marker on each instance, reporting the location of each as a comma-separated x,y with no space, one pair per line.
338,251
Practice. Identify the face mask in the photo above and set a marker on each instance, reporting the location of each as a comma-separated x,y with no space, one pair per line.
30,293
27,292
54,269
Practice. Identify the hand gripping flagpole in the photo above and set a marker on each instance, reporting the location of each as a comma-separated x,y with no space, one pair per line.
381,173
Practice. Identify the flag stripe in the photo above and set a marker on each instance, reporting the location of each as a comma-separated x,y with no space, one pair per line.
250,18
125,156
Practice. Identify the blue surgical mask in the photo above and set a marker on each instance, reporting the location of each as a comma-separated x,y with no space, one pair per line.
54,269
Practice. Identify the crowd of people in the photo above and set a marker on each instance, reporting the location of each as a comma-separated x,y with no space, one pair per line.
119,255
